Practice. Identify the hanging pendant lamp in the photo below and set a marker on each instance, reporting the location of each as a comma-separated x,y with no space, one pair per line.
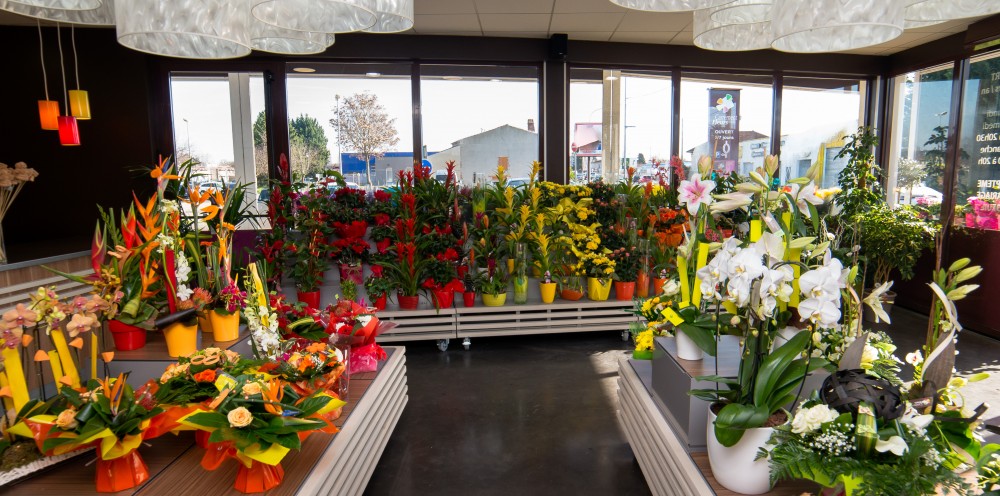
321,16
79,101
48,110
669,5
834,25
102,15
207,29
392,16
737,26
935,11
267,37
69,133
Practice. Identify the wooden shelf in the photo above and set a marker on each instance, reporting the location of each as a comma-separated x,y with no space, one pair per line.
341,463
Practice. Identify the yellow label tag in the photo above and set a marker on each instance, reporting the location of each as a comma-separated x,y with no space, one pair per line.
683,304
224,381
672,316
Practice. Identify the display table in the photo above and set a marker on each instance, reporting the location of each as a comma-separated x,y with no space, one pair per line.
668,466
339,464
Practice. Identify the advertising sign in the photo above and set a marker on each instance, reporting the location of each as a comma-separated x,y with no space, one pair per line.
724,128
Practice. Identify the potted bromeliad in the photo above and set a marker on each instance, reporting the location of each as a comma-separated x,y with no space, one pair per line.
377,287
541,256
493,287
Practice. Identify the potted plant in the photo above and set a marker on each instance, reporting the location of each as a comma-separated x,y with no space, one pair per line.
349,212
351,254
542,262
493,287
308,265
892,239
599,269
406,274
627,263
442,278
470,282
571,287
377,287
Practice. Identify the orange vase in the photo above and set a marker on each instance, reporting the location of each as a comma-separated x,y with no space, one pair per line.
119,474
642,284
658,285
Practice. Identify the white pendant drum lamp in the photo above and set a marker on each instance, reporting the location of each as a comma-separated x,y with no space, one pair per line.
324,16
196,29
270,38
62,4
934,11
834,25
741,25
392,16
669,5
102,15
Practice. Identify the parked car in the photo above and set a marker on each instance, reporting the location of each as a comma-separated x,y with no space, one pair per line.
207,185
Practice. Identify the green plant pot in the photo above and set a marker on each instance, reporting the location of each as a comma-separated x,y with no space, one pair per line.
520,290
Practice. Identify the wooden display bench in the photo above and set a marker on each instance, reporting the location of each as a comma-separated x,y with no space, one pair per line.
151,360
669,466
340,464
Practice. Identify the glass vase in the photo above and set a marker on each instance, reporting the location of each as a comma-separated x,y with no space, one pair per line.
520,275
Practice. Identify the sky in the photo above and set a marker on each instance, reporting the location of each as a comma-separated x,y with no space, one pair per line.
456,109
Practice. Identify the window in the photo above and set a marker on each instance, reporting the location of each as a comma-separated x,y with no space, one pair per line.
977,191
479,117
816,115
372,94
586,138
218,122
917,158
728,119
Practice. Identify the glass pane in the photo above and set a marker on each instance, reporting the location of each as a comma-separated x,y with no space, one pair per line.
978,186
368,96
727,118
920,132
585,131
816,115
645,128
479,117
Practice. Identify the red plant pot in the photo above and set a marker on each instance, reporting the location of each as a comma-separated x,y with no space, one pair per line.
571,294
310,298
658,285
624,291
127,337
380,302
408,302
445,298
469,298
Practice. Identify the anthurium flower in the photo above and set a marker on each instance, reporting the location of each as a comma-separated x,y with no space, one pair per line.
695,193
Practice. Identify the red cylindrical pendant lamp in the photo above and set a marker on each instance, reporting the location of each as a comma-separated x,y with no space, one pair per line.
69,134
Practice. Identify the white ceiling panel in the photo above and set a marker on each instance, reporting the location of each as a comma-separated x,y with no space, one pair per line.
444,7
569,23
643,36
591,35
513,6
424,23
515,22
656,21
571,6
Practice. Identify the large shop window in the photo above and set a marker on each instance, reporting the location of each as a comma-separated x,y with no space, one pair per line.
917,159
619,119
977,191
816,116
479,117
218,122
351,118
727,118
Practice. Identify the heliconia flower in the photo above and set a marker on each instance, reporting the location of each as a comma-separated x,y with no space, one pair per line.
695,193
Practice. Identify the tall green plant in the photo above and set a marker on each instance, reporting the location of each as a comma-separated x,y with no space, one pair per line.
859,179
893,239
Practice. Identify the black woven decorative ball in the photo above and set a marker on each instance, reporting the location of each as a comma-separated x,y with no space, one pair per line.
845,389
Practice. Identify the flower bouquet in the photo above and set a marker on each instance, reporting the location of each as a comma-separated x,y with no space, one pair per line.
106,414
12,181
356,327
257,421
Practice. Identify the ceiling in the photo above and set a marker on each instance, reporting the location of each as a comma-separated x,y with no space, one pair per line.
591,20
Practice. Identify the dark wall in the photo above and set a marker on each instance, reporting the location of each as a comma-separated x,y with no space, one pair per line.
56,213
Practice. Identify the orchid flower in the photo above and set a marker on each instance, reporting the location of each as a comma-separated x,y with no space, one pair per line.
774,286
824,313
874,301
20,316
80,323
695,193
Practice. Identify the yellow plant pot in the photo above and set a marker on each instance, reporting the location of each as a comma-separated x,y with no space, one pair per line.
182,340
204,323
494,300
225,327
548,291
598,289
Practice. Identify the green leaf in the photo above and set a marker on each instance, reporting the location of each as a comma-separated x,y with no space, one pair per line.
734,419
774,365
701,337
209,419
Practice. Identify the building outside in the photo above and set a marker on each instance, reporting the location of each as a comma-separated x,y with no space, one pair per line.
477,155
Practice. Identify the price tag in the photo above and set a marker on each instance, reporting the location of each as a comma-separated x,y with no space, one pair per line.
672,316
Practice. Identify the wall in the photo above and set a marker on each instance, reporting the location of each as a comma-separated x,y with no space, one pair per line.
56,213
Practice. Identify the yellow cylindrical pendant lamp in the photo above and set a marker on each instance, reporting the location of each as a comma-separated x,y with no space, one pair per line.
48,114
79,104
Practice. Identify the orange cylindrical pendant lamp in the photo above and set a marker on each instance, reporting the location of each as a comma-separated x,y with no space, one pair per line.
69,134
79,104
48,114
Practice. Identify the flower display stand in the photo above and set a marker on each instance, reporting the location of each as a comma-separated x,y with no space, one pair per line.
339,464
668,464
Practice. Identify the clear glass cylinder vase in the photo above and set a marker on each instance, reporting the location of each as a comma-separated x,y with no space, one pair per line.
520,275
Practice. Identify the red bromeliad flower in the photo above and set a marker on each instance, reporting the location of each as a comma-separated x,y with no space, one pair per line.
409,202
449,255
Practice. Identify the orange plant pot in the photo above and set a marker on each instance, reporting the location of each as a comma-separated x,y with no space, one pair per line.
225,327
624,291
642,285
658,285
182,340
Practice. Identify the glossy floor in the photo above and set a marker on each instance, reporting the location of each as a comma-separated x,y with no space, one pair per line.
537,414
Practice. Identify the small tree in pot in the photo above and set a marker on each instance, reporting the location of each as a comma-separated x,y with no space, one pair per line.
893,239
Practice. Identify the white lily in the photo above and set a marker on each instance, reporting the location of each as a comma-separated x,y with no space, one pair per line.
895,444
874,301
771,245
729,202
695,193
918,423
804,196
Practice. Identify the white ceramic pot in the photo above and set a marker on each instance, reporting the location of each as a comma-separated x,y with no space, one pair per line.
686,348
735,467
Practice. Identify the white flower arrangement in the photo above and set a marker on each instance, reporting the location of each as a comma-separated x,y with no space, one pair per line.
261,318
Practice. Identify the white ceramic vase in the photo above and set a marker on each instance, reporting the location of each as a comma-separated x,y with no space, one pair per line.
686,347
734,467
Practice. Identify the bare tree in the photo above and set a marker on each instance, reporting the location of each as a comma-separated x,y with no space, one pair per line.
365,128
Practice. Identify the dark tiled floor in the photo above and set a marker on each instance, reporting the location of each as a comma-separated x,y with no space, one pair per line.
537,414
513,415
